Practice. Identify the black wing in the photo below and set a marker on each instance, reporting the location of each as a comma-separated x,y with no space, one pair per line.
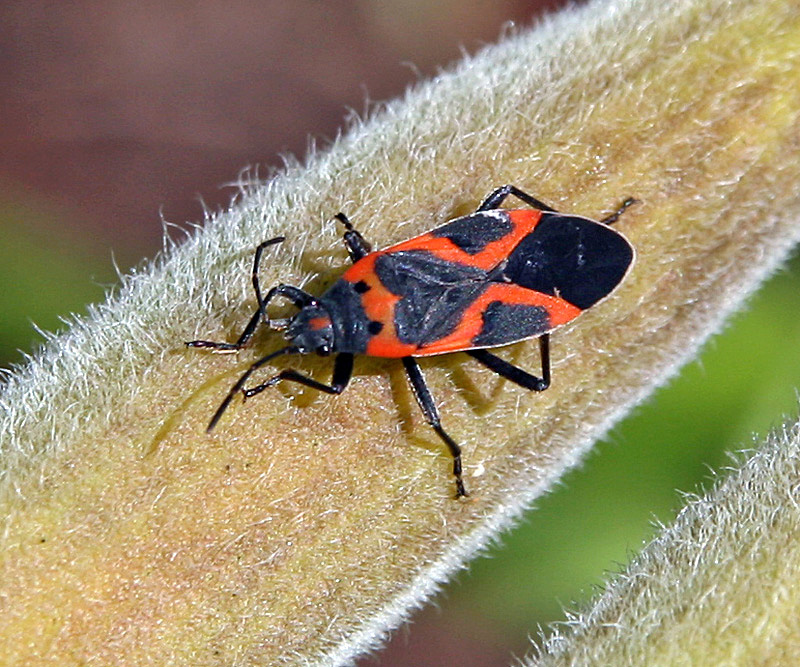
574,258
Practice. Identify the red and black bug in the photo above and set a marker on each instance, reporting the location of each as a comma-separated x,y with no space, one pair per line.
494,277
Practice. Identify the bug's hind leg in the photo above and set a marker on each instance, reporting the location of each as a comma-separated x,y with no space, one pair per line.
425,400
498,196
357,246
515,374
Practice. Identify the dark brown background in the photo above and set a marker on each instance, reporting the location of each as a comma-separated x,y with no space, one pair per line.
115,111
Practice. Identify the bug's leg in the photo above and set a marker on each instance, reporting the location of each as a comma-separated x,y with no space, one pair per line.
297,296
498,196
294,294
425,400
357,246
342,372
517,375
611,219
243,378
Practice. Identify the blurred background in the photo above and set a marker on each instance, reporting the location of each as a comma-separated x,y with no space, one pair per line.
116,114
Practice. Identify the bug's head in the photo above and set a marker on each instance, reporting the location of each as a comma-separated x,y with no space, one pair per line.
311,330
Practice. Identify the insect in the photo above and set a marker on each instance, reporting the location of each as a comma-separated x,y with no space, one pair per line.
494,277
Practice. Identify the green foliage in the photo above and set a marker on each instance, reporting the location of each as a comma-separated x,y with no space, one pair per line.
47,272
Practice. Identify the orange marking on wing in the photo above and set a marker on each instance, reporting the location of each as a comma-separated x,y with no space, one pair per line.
421,242
389,347
559,312
523,222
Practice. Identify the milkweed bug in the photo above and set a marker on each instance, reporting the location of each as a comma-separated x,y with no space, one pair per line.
494,277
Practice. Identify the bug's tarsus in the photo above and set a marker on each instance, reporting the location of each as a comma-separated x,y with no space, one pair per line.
611,219
227,348
213,346
514,373
499,195
341,217
428,407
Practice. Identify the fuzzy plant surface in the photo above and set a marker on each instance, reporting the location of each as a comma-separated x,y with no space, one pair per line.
717,587
307,527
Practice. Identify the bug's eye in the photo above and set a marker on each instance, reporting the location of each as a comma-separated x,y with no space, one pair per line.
324,350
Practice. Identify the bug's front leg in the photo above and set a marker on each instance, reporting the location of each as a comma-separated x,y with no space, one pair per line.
294,294
243,339
342,372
